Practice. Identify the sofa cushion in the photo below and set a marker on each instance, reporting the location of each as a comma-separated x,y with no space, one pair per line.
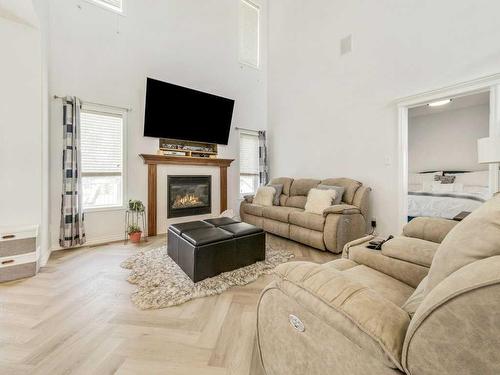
474,238
413,250
298,201
429,228
264,196
279,213
414,301
319,200
387,286
307,237
253,209
350,186
285,181
301,186
307,220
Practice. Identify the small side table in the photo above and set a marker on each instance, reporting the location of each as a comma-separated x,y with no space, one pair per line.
133,218
462,215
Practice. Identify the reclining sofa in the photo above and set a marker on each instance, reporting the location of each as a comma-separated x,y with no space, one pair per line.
426,304
338,225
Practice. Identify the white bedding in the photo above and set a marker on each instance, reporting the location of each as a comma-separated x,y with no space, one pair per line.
446,205
429,198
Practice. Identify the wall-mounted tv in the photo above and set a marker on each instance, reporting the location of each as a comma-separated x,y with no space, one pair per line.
185,114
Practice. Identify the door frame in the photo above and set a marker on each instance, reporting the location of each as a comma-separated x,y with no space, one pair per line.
489,83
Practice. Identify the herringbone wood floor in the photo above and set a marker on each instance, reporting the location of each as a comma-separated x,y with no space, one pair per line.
75,317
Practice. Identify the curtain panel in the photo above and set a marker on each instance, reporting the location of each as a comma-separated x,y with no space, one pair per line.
263,159
72,231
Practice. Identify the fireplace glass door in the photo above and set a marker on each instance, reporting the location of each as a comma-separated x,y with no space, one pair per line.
189,195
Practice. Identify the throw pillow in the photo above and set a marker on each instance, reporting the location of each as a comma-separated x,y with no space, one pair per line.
445,179
264,196
318,200
339,189
474,238
279,190
412,304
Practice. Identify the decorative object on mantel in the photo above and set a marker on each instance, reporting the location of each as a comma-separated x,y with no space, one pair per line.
153,160
161,283
19,252
133,216
174,147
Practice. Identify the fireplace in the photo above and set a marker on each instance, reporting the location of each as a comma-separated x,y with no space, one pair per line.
189,195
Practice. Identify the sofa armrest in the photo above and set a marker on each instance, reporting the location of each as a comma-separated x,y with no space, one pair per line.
461,312
362,315
248,198
341,209
432,229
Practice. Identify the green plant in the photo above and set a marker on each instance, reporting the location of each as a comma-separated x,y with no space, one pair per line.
136,205
134,229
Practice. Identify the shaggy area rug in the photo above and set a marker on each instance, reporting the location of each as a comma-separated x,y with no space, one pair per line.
161,283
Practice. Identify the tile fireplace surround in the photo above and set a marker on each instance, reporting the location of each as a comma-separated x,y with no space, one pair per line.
152,162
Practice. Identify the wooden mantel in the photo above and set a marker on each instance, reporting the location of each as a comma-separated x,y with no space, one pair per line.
153,160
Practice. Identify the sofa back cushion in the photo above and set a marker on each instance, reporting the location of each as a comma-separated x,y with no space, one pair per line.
350,186
474,238
298,192
433,229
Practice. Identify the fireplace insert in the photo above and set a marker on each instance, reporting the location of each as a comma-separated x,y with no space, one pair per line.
189,195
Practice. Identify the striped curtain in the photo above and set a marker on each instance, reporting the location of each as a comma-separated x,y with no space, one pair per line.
263,160
72,232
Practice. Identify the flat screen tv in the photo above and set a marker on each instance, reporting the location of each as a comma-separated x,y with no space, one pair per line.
185,114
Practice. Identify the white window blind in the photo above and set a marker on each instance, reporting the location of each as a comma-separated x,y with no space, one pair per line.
249,33
116,5
249,163
101,143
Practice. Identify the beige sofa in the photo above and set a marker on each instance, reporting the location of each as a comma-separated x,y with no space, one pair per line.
362,315
338,225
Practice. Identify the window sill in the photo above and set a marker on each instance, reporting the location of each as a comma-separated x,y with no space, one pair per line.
104,209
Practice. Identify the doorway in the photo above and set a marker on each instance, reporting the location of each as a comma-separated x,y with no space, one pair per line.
439,118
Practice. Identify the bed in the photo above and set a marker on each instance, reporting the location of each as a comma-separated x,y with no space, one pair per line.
427,197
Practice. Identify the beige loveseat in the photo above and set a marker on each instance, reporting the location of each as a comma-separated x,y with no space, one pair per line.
362,315
338,225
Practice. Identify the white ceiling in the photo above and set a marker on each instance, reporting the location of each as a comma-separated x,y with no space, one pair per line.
456,103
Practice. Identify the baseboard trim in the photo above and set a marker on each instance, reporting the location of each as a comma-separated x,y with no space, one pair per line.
93,242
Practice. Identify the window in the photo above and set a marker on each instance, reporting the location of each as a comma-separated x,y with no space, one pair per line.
102,158
249,33
249,163
114,5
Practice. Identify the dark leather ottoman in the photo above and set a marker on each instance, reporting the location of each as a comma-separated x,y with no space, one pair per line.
203,250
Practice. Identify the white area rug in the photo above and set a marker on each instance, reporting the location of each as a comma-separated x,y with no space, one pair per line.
161,283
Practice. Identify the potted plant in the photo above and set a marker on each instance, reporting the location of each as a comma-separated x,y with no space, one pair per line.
136,205
134,233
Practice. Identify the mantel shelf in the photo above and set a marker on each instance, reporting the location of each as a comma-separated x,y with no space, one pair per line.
152,162
185,160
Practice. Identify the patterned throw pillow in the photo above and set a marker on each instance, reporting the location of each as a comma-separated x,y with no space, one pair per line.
279,190
445,179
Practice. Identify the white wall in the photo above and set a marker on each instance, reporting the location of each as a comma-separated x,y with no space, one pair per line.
21,127
105,58
447,140
332,115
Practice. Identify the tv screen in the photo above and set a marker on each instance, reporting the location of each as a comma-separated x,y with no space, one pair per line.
180,113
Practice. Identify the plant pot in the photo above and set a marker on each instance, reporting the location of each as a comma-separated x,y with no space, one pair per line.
135,237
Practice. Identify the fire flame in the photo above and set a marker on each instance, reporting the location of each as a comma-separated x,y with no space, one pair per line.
188,200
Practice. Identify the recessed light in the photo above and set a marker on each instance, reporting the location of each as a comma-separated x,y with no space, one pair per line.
439,103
